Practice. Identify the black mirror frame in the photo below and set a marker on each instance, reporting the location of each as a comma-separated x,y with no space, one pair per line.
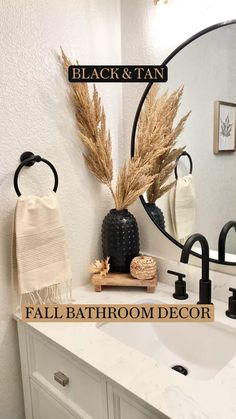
136,118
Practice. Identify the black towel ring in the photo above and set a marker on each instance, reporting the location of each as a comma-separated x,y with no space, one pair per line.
190,163
28,159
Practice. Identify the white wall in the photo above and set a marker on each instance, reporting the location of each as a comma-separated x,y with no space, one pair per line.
161,29
35,116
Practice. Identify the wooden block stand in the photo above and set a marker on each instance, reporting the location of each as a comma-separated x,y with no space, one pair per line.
122,280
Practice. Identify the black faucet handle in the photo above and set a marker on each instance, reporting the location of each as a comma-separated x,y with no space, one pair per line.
180,286
233,290
231,312
179,274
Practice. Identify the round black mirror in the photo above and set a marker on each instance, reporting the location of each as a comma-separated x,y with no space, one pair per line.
205,66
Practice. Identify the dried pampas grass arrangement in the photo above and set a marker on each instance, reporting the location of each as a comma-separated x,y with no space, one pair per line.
137,174
155,153
156,131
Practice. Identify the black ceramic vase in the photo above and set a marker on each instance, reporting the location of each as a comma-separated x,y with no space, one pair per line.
157,214
120,239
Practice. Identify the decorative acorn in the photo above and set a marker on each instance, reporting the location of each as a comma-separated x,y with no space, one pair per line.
143,267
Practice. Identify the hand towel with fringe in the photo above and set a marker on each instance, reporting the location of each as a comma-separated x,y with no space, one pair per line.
40,262
182,199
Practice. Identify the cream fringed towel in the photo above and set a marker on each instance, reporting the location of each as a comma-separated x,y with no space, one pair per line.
40,261
182,208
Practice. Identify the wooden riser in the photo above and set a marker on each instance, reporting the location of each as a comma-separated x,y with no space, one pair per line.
122,280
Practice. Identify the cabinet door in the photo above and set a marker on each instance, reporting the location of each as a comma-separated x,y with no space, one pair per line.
47,407
86,389
123,406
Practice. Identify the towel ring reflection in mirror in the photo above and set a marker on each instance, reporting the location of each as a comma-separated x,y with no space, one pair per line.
190,163
29,159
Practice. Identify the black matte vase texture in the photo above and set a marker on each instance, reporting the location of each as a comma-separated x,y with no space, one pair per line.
120,239
157,214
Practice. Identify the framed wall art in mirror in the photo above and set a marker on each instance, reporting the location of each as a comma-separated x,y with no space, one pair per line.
224,126
195,186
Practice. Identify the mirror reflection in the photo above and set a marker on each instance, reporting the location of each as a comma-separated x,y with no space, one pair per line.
194,190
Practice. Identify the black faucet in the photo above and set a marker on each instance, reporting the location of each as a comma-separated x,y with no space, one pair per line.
205,282
222,239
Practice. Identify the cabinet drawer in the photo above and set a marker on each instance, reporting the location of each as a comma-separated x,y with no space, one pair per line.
47,407
84,388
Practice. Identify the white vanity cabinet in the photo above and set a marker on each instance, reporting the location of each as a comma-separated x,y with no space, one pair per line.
57,384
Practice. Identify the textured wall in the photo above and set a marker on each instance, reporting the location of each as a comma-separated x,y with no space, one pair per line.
35,116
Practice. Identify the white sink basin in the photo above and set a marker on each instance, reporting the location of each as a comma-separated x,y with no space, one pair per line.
202,348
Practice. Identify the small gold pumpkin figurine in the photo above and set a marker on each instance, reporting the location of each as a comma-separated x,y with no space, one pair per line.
143,267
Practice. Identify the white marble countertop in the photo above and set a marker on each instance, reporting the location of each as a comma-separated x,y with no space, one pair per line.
173,394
